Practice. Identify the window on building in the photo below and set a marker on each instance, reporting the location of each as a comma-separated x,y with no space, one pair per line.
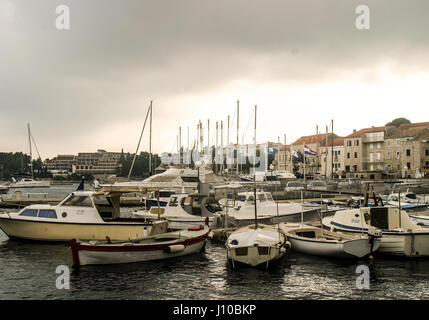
349,143
408,152
427,152
356,155
355,167
348,168
398,154
339,152
371,145
378,155
378,145
348,155
408,165
372,168
356,142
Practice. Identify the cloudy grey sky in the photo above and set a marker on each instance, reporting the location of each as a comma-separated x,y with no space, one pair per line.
302,62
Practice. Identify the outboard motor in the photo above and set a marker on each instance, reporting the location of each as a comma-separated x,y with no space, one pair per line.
373,233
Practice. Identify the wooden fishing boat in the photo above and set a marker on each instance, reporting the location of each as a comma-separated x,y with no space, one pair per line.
255,245
158,247
316,241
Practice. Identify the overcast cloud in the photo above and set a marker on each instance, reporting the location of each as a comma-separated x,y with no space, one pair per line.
302,62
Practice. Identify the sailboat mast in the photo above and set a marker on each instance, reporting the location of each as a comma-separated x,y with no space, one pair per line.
238,116
150,140
326,153
254,176
31,155
332,150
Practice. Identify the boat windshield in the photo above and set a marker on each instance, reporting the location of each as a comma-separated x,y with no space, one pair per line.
250,200
78,201
411,196
173,202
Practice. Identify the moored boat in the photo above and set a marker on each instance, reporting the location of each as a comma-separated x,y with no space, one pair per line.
316,241
29,183
86,215
183,211
158,247
401,236
255,245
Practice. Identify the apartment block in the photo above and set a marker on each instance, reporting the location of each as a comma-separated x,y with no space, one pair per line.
332,150
96,162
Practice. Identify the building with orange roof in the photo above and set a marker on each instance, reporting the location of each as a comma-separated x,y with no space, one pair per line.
364,153
332,149
406,151
316,142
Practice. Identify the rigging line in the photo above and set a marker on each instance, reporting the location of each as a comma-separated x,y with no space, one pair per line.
138,145
231,124
250,119
32,138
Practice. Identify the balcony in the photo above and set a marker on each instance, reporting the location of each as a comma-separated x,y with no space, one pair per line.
373,138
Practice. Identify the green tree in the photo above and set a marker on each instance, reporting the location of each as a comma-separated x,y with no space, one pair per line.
397,122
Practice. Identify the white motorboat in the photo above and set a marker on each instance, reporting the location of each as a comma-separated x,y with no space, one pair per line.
152,200
401,236
183,211
316,241
155,247
242,207
29,183
179,180
85,215
255,245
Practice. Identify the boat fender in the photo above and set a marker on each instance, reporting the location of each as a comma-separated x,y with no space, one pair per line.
175,248
287,245
210,236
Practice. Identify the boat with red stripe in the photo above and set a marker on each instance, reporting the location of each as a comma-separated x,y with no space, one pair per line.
157,247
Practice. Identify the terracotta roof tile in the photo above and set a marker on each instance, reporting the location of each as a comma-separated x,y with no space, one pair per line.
316,138
367,130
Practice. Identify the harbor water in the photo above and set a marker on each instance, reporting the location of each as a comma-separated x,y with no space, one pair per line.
28,271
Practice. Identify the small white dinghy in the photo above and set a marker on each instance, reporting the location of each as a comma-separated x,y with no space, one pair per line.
158,247
316,241
255,246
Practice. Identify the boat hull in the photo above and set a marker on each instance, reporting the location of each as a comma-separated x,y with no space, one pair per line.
49,231
86,254
348,249
406,244
253,258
